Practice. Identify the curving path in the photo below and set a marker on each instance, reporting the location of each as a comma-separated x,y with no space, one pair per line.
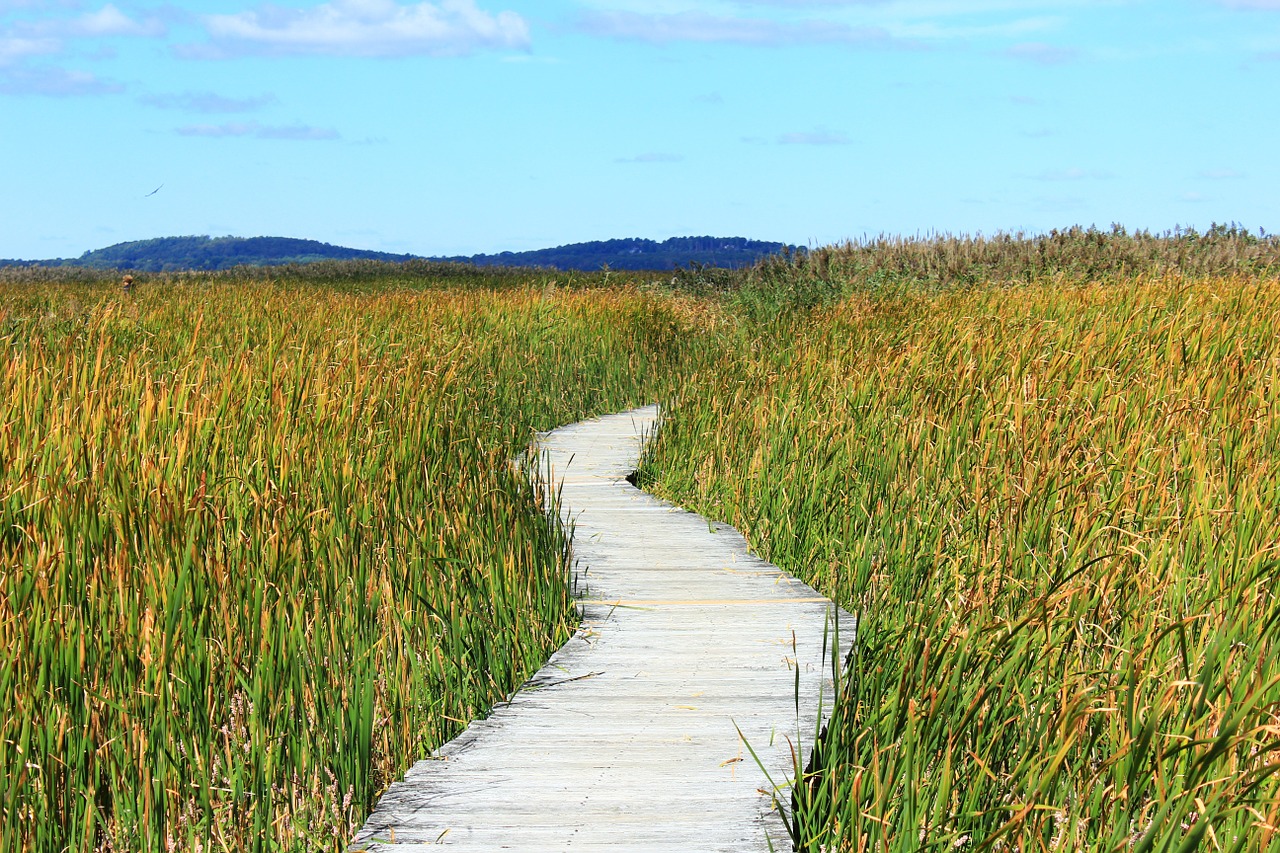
628,738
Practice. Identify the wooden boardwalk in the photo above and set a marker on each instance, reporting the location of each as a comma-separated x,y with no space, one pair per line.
628,738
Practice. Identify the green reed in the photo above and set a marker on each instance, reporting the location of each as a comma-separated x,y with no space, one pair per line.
261,544
1054,511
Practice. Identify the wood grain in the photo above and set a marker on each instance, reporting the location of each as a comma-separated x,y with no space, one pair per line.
628,738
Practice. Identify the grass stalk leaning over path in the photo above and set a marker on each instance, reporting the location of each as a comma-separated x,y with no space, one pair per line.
1054,510
261,546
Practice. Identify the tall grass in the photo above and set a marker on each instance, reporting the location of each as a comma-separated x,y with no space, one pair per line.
415,274
785,283
261,546
1055,511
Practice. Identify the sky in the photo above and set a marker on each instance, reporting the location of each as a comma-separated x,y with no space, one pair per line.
464,126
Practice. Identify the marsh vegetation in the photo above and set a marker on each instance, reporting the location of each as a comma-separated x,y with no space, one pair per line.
261,546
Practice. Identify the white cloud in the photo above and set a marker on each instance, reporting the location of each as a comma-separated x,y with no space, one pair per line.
259,131
107,22
700,27
15,48
24,39
361,28
821,136
110,21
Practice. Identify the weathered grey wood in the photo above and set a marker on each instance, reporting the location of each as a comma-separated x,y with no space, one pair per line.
628,739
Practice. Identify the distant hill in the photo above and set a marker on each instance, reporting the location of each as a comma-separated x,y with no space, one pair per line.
171,254
637,254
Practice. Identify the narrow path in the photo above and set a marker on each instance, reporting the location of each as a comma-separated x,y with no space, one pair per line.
627,740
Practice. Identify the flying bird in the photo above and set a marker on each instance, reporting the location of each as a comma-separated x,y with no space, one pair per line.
154,191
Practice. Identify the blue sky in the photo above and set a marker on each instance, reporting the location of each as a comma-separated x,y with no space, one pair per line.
464,126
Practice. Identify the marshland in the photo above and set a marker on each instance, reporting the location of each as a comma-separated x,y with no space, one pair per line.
262,545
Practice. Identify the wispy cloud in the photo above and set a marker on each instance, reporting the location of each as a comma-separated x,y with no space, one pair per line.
1042,53
48,35
821,136
652,157
298,132
371,28
30,38
701,27
1250,4
107,22
54,82
14,49
207,102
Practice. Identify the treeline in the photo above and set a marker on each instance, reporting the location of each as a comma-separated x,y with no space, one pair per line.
785,274
635,253
211,254
174,254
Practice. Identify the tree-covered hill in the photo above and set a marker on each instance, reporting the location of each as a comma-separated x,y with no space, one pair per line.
166,254
171,254
638,254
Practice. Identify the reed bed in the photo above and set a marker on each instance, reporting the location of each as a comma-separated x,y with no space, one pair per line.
1071,254
261,544
798,281
1055,510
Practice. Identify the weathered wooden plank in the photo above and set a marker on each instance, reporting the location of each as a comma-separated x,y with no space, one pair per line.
631,737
